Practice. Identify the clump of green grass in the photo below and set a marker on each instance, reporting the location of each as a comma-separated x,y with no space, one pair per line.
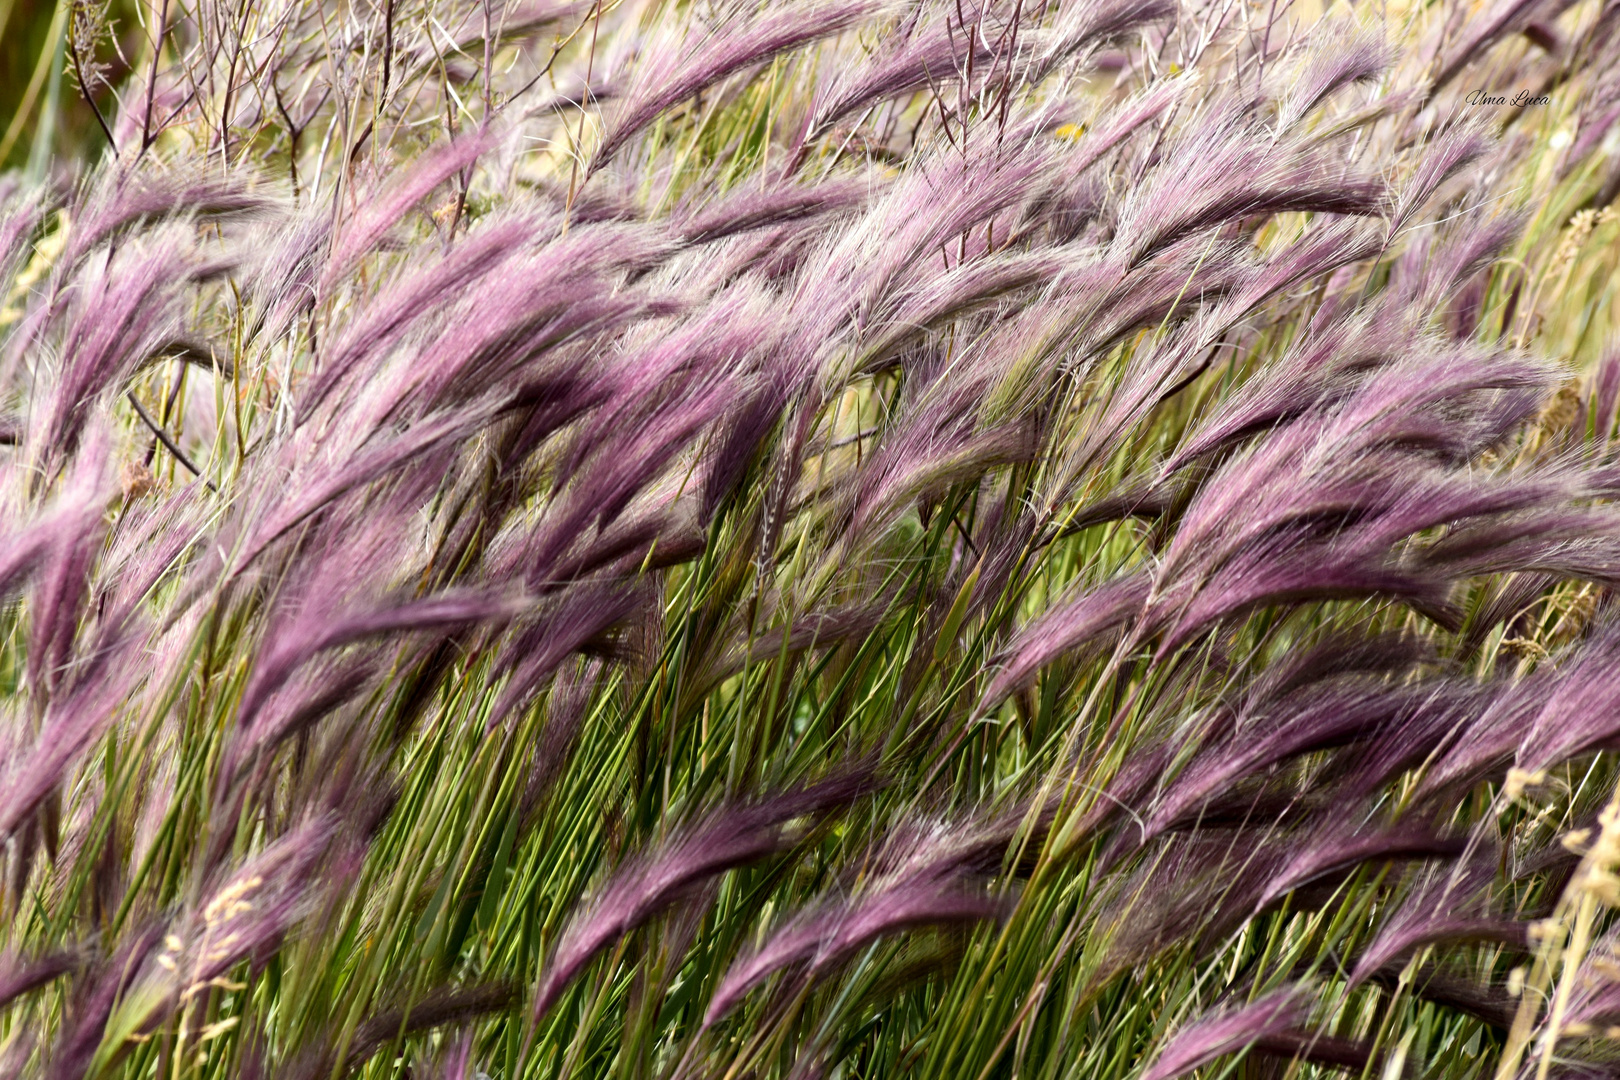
835,539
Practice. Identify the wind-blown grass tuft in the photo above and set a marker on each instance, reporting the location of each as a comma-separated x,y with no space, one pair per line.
833,538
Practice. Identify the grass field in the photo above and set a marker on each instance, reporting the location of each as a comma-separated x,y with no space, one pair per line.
830,538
